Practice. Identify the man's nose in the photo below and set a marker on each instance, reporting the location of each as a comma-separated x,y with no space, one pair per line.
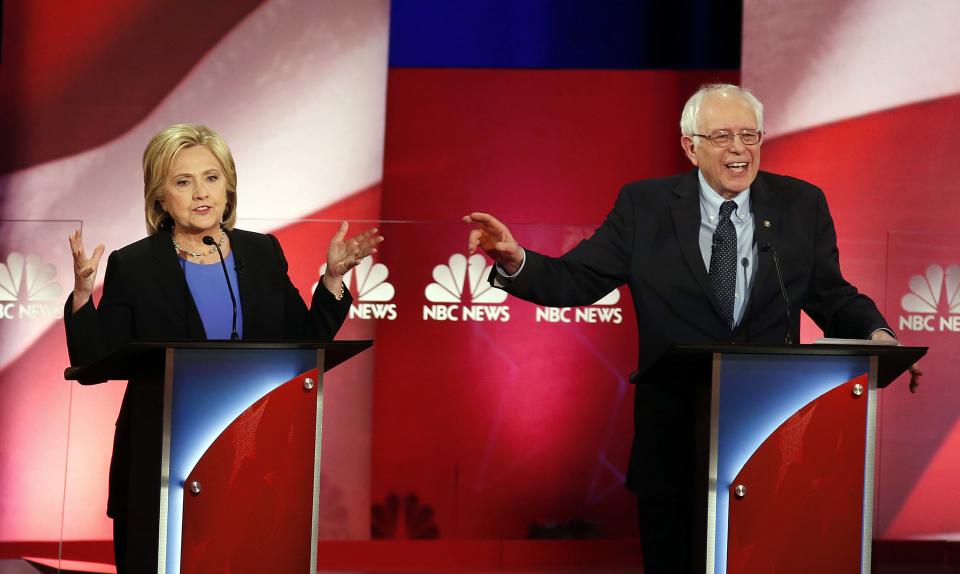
736,145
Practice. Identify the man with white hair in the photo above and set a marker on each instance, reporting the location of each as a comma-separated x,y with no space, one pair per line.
697,251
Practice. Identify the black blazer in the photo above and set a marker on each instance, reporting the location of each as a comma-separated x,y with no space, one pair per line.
650,241
146,297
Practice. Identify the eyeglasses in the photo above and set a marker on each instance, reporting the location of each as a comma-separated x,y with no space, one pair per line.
723,138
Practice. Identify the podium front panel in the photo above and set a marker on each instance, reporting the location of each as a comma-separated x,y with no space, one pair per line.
206,391
762,399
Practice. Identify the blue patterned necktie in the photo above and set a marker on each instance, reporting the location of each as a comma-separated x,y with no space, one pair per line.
723,261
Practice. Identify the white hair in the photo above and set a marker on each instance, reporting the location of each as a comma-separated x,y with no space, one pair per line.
691,111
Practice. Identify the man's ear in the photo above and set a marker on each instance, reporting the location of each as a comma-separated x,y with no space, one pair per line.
686,142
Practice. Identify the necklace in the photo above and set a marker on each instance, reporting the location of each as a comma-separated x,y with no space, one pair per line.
193,253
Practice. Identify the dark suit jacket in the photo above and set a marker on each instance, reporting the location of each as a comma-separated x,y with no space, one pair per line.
146,297
650,241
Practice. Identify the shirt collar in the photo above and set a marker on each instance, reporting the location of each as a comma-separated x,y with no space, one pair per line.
710,200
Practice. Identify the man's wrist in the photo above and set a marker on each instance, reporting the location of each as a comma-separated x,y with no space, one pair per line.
873,335
505,273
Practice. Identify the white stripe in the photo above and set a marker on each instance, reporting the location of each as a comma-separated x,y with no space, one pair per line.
816,62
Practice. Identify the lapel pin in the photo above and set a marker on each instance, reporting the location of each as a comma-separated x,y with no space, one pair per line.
766,223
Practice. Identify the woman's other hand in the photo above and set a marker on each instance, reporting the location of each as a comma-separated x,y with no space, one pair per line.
84,270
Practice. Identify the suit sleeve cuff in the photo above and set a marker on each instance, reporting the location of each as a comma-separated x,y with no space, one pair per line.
502,277
885,330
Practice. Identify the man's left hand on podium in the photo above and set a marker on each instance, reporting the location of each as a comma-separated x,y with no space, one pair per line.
915,371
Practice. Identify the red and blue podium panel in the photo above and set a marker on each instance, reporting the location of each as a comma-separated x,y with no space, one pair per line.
241,460
791,464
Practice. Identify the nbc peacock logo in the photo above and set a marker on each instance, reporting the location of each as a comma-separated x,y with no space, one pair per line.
460,292
933,303
374,293
28,288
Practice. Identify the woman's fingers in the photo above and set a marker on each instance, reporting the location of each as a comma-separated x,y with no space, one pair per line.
95,258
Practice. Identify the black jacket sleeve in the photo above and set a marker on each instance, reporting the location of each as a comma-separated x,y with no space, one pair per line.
93,332
834,304
583,275
326,313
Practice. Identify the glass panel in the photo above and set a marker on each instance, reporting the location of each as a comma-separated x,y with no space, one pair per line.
475,416
919,434
484,416
35,276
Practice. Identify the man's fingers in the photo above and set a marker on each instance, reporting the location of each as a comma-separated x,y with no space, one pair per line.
915,373
341,232
493,233
489,234
485,220
479,217
473,239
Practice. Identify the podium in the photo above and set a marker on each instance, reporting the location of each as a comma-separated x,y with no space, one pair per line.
240,467
785,453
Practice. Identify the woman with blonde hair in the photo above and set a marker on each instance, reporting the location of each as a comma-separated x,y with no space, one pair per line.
170,285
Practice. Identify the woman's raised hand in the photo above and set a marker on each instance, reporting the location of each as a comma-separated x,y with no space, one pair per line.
84,270
345,254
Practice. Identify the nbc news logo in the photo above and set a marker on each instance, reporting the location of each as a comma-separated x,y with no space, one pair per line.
602,311
933,303
28,287
460,292
374,293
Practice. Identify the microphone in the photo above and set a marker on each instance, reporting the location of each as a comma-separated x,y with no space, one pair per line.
745,263
783,290
207,240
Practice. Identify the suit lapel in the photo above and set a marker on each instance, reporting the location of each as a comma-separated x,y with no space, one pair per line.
246,286
169,279
766,229
685,210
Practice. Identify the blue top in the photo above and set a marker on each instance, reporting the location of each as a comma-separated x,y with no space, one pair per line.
210,293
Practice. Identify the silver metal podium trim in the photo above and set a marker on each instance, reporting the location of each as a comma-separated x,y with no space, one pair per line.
711,558
869,460
318,436
165,459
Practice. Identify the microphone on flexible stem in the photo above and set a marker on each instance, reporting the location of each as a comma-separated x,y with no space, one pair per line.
783,290
745,263
207,240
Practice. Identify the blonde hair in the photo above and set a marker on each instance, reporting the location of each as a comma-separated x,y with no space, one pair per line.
159,156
